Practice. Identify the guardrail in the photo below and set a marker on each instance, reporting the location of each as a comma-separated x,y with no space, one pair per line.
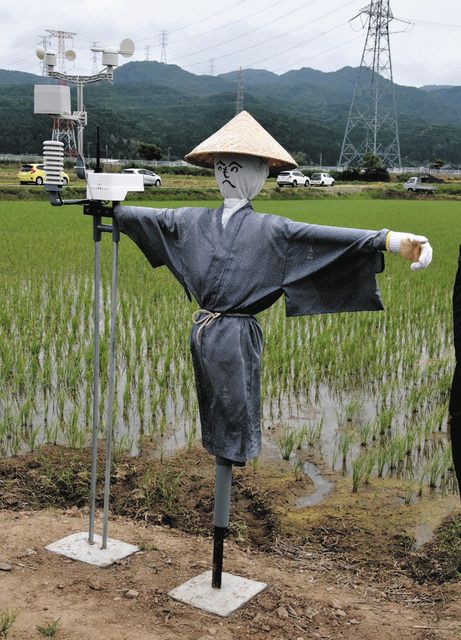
8,157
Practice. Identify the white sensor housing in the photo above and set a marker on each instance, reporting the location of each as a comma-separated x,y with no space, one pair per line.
50,58
52,99
112,186
53,161
110,58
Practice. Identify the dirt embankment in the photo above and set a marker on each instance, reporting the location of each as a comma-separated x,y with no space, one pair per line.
342,570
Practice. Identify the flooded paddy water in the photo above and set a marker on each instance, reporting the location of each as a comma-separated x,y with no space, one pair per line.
364,395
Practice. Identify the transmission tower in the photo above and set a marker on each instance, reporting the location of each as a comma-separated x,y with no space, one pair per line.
240,96
94,58
63,129
147,50
163,38
372,125
61,37
45,43
212,67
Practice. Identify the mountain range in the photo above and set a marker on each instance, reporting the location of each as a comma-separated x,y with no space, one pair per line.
306,110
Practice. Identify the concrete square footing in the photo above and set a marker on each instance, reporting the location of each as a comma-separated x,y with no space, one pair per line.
234,593
77,547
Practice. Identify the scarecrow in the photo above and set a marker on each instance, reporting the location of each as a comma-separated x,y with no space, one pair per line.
235,264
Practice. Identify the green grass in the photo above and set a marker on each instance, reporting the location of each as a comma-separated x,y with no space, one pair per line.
397,363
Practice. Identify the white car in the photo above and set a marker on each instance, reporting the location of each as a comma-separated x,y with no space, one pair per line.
149,178
293,179
322,180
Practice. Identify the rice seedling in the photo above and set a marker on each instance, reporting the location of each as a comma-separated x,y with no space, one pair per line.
358,471
409,491
346,440
191,436
399,361
365,432
314,432
287,442
298,470
352,410
301,436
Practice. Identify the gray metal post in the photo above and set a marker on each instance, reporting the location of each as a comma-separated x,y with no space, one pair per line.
97,313
80,125
221,516
111,386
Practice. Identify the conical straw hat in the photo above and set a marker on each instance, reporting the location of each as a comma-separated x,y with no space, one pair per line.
242,135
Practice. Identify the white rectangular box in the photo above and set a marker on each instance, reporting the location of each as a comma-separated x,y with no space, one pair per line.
112,186
52,99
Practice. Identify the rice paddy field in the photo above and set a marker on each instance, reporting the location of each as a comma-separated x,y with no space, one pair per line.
368,392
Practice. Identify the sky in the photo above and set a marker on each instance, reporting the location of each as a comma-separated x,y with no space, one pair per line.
206,37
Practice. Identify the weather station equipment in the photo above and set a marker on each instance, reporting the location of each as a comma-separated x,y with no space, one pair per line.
103,192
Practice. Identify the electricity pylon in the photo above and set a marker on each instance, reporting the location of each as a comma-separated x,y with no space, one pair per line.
240,93
163,39
372,126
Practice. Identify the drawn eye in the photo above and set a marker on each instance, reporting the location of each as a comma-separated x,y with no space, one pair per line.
234,169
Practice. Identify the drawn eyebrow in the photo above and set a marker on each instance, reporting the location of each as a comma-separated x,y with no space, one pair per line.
234,162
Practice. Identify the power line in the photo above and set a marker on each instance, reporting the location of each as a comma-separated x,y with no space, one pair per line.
440,25
228,24
301,44
247,33
187,26
315,55
286,33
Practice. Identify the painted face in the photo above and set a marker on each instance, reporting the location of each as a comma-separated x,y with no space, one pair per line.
239,176
227,170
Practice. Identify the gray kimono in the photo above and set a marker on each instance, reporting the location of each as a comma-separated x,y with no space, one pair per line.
243,269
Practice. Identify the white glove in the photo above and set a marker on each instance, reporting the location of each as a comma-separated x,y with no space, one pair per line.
425,257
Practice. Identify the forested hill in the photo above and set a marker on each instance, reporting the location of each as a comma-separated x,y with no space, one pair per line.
305,109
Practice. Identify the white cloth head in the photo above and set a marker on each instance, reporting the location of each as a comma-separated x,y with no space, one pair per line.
239,178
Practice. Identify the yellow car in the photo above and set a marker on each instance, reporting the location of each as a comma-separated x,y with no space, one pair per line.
34,173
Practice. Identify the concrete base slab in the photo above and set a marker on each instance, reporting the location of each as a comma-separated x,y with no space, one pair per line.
77,547
234,593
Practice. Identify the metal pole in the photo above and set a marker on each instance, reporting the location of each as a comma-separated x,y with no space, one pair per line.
111,387
221,517
97,314
80,125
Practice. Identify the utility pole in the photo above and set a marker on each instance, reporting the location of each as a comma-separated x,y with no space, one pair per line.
240,94
147,53
163,38
212,67
372,126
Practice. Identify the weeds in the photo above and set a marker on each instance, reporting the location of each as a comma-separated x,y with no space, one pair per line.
48,629
7,619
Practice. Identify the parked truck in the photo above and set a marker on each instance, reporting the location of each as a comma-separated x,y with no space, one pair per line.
417,185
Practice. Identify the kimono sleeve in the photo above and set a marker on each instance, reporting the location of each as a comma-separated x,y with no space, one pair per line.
331,269
157,232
